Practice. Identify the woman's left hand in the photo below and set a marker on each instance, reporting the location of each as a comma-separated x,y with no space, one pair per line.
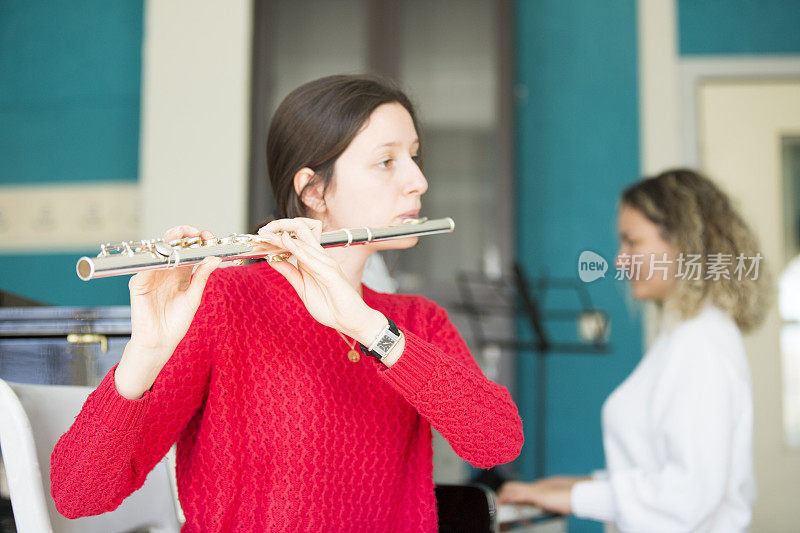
319,280
551,494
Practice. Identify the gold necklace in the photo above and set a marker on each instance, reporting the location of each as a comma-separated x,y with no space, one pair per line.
353,354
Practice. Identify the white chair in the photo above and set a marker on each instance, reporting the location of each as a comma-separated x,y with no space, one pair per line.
32,419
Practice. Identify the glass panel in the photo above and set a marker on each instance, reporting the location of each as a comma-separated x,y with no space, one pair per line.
789,289
309,41
448,66
458,165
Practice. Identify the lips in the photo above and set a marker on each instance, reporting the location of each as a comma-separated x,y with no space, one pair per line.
409,214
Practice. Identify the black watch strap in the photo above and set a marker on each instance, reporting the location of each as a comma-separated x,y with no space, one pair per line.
384,342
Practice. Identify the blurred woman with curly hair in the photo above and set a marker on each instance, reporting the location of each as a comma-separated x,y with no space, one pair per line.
677,433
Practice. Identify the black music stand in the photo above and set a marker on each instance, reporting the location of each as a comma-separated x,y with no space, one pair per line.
518,298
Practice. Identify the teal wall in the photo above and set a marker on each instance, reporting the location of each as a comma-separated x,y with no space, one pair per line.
70,74
70,77
577,147
726,27
51,278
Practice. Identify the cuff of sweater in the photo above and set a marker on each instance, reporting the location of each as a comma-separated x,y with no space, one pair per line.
593,500
413,370
115,411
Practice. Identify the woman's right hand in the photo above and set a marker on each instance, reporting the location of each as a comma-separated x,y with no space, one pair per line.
551,494
163,305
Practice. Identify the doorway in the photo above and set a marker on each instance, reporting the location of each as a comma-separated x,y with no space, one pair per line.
743,129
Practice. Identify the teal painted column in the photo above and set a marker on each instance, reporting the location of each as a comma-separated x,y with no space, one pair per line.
577,146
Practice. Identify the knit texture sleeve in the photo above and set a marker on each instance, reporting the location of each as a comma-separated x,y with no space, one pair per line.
438,376
115,442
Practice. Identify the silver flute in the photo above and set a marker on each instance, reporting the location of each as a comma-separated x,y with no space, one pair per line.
130,257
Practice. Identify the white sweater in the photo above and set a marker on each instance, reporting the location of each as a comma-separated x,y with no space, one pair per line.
677,436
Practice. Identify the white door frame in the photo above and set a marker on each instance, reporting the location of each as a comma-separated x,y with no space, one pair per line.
695,71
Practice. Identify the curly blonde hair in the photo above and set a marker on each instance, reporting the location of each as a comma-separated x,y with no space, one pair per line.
696,217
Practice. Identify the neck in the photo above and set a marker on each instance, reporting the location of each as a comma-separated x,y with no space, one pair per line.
352,260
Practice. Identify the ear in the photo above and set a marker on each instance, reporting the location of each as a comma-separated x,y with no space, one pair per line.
310,190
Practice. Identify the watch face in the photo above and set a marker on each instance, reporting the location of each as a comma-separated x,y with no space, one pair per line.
385,344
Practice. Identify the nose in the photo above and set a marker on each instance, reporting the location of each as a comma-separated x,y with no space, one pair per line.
622,259
415,183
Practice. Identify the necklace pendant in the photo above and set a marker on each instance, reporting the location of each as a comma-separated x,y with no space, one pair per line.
354,356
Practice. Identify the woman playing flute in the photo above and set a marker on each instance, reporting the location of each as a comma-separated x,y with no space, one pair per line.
283,423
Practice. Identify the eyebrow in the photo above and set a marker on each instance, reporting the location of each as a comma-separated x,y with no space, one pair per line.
397,143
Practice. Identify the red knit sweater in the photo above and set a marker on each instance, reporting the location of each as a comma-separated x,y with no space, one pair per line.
278,431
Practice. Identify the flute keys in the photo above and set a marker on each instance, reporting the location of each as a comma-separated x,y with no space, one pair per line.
163,249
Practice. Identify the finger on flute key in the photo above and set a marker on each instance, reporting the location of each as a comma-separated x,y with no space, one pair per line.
314,248
307,229
310,257
178,232
305,235
314,225
275,226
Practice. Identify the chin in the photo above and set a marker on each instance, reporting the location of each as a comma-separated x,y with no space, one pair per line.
639,292
398,244
647,294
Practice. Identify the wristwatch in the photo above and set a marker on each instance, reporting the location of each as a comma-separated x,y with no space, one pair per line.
384,342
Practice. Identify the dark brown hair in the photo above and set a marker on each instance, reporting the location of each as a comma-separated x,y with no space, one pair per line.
696,217
314,124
